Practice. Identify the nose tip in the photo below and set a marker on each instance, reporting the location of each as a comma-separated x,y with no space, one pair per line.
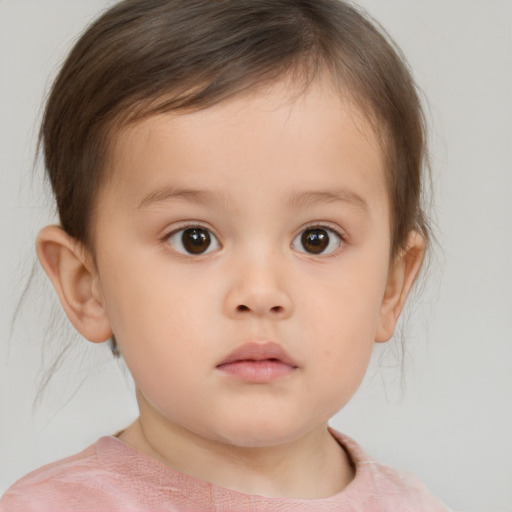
258,292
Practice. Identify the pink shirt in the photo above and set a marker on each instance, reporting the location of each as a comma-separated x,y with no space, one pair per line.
111,476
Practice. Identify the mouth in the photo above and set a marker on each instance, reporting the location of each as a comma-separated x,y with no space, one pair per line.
258,363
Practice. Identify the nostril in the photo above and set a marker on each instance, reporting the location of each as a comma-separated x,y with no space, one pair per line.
241,308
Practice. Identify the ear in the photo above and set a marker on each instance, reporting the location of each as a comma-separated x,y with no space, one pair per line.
403,272
75,281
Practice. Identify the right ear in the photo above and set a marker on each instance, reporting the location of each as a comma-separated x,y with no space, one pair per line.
76,282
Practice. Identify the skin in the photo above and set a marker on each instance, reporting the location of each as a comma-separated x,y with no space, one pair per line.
176,316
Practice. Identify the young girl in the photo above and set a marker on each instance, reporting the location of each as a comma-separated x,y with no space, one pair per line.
238,185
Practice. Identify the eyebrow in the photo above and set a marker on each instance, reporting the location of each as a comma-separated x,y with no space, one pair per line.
165,194
310,198
296,199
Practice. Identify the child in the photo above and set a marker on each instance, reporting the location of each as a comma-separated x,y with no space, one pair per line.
238,185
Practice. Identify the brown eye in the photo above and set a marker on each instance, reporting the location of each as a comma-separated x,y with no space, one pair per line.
195,240
317,241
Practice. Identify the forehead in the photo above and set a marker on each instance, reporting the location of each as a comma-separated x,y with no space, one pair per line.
284,139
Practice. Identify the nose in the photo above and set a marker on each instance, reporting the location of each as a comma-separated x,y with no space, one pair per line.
258,288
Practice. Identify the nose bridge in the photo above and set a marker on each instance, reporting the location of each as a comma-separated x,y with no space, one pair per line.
258,283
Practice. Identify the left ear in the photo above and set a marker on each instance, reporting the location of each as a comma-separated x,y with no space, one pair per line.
402,273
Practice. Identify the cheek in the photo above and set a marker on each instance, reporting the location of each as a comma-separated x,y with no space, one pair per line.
344,339
162,337
151,305
345,302
156,314
342,319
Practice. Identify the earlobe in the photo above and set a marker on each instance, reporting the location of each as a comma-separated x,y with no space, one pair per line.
402,274
75,282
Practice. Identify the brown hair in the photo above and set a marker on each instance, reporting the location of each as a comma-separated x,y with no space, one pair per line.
144,57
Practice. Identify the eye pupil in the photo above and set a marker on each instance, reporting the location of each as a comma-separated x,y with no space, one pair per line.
315,240
196,240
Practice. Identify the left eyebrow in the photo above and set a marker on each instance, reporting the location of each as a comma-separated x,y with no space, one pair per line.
310,198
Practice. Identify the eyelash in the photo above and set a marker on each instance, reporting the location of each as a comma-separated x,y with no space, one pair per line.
323,227
212,236
186,227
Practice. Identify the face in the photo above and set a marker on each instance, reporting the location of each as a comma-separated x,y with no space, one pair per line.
243,257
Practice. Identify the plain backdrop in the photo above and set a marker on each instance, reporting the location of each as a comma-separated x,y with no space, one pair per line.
446,413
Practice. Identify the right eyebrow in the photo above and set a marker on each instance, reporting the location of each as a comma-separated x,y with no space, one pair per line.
169,193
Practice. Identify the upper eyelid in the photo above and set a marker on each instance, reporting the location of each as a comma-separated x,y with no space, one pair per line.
190,225
323,225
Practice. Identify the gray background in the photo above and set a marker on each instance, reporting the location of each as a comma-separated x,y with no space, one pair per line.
448,415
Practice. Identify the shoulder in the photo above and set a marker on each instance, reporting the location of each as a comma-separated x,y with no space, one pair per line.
385,487
78,482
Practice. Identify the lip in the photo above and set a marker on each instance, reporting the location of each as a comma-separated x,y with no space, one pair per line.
258,362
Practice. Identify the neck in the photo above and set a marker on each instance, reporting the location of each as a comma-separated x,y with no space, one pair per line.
315,466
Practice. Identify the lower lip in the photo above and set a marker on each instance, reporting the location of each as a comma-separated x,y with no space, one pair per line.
257,371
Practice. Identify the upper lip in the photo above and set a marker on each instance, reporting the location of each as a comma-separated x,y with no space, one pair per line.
261,351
